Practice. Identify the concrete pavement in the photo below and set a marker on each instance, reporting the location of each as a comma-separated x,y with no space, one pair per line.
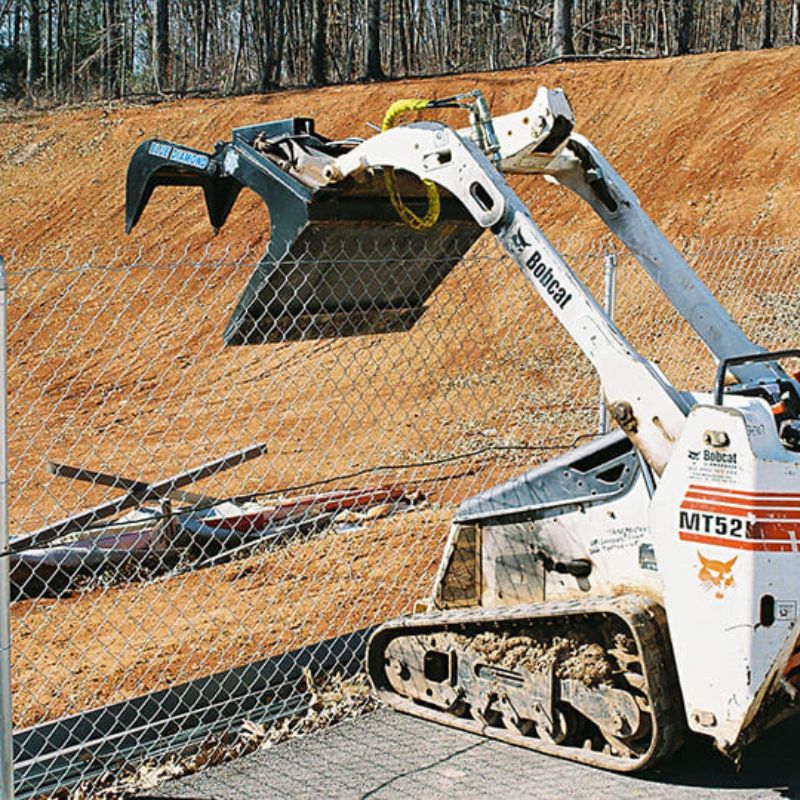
388,755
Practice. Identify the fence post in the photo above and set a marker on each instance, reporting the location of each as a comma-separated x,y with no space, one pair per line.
609,302
6,723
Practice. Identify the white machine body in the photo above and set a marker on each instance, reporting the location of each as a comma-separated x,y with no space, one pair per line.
726,525
711,525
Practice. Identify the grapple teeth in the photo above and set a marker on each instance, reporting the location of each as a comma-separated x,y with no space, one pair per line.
339,261
161,163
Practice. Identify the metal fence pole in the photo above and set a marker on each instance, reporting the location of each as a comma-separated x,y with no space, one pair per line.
609,302
6,723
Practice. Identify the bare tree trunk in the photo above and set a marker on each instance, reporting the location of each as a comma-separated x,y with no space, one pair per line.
736,21
276,23
62,20
131,45
280,45
530,31
74,58
204,36
185,59
161,44
320,43
351,44
266,35
795,23
112,48
374,69
684,23
766,24
15,47
123,53
561,37
403,34
48,47
594,37
238,51
34,45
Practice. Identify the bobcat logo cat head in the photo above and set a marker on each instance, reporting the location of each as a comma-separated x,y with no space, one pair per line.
716,575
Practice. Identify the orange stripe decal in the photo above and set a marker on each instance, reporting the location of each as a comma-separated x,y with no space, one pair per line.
740,493
758,545
743,502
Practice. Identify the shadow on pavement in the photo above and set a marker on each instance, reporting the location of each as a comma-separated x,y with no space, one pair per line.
773,762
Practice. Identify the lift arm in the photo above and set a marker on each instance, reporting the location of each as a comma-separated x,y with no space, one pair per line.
540,140
641,399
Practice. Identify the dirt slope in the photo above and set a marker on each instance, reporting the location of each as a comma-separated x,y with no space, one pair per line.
710,143
125,370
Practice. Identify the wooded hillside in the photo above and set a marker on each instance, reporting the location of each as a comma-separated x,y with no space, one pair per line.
68,50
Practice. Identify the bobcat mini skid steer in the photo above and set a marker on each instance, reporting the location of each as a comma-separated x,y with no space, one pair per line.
601,604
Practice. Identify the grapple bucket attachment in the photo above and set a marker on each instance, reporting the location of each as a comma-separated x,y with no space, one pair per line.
339,259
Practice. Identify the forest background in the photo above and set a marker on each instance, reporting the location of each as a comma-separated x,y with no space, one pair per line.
66,51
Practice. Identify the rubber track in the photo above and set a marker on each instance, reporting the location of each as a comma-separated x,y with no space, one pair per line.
646,621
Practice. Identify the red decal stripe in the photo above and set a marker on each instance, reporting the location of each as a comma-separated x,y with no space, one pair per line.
714,508
745,503
771,530
738,544
740,493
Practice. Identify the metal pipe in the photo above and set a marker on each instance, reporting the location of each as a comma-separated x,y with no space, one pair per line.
609,304
6,723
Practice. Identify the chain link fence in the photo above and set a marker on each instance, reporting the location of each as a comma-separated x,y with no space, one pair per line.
214,529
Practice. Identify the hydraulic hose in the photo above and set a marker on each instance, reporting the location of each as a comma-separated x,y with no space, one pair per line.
411,219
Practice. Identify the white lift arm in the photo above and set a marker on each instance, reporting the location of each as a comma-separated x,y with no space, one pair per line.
539,140
641,399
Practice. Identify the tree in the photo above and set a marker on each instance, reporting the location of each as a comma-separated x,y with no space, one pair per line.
684,24
320,43
561,37
766,23
736,21
237,53
161,44
34,46
111,48
374,68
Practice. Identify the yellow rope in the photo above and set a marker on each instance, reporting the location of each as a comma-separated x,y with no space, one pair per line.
403,211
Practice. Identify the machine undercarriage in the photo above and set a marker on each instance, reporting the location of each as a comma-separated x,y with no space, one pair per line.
590,681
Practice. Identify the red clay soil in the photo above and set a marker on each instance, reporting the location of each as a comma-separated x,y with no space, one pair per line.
708,142
125,370
125,641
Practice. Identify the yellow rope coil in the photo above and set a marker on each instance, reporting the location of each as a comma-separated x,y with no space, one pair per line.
404,212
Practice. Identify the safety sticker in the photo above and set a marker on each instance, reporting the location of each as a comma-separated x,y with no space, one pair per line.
713,465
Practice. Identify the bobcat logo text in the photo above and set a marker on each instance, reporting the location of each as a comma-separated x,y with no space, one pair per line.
541,271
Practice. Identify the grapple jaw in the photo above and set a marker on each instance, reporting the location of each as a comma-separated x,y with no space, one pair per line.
161,163
339,260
